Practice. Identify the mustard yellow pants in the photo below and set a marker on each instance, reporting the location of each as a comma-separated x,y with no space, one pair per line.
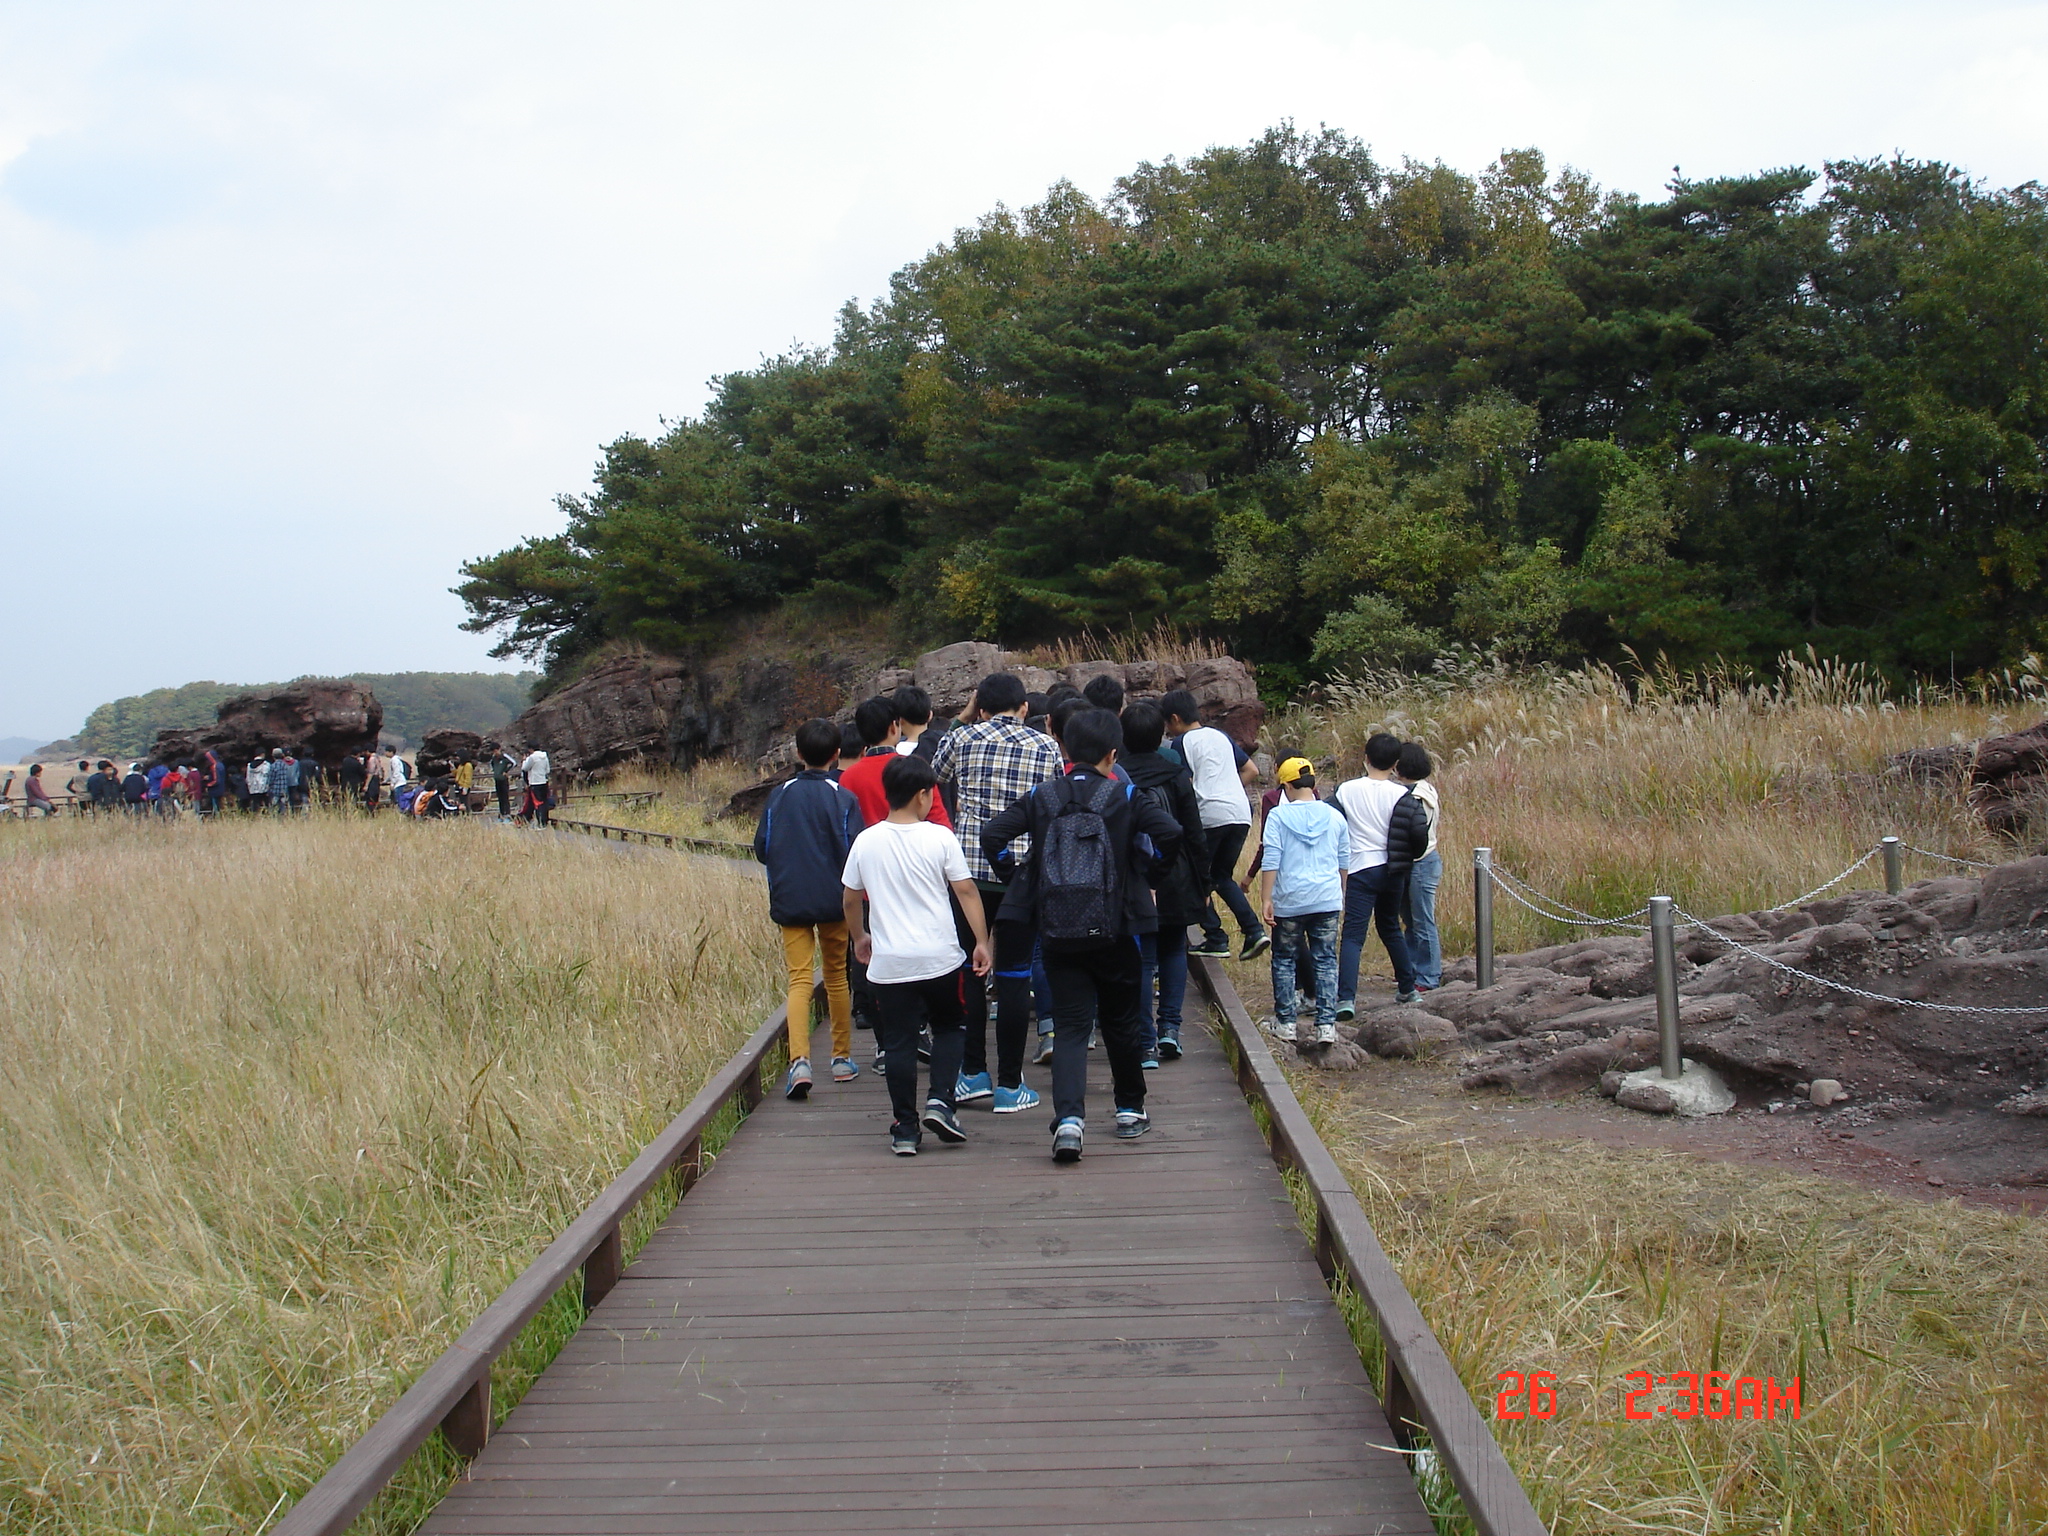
822,949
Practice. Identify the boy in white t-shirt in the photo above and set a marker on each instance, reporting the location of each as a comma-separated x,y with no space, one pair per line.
904,867
1388,834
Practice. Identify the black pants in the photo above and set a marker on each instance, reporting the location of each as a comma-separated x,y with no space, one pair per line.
1091,987
1013,944
1225,844
504,797
907,1007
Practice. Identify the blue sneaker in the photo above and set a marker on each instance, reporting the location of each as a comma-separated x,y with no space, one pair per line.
1169,1048
1150,1061
1010,1100
973,1086
797,1085
1066,1140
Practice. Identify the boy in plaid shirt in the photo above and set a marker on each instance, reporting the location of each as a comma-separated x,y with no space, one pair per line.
992,764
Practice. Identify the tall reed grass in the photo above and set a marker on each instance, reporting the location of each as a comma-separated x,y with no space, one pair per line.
287,1104
1914,1330
1725,791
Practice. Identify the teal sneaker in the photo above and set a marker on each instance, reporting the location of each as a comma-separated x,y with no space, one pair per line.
973,1086
1010,1100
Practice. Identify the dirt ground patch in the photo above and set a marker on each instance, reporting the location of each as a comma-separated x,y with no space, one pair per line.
1936,1153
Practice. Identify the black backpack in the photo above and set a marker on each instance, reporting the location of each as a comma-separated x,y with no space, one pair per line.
1080,876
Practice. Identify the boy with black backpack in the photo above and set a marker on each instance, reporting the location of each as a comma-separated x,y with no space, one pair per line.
1181,891
1096,845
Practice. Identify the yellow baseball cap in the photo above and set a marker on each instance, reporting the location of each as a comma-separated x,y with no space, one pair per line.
1294,768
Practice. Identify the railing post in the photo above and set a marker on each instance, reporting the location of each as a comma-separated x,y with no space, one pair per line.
1482,915
468,1424
602,1269
1894,866
1664,965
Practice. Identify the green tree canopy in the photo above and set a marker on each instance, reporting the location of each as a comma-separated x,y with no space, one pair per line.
1349,411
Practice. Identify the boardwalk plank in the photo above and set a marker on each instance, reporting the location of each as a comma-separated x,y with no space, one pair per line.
825,1337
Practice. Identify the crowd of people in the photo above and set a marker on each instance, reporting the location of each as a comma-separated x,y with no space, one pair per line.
283,781
1042,862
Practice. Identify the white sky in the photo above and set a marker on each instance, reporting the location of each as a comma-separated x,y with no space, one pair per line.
301,306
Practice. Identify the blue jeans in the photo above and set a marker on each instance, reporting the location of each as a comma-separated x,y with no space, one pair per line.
1418,921
1163,955
1371,900
1317,933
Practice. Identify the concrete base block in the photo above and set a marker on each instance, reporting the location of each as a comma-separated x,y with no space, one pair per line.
1696,1091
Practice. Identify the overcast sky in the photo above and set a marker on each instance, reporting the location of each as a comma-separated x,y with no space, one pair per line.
301,306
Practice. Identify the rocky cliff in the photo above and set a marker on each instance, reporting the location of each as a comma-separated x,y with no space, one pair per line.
663,709
667,710
325,718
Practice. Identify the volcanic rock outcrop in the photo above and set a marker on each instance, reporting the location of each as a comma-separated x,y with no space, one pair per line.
2005,777
441,750
1222,686
324,718
663,709
667,710
1558,1019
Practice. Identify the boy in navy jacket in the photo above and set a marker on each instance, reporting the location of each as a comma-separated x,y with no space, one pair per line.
806,828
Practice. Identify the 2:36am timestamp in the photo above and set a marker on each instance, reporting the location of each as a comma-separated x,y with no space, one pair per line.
1647,1395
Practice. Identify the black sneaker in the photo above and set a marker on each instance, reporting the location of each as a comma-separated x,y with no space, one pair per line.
903,1144
1169,1047
1253,948
1217,948
1066,1141
941,1122
1131,1124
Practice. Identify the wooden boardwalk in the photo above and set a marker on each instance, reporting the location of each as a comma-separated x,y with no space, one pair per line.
825,1337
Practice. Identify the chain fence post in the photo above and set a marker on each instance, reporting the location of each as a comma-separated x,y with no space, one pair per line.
1482,915
1894,862
1664,963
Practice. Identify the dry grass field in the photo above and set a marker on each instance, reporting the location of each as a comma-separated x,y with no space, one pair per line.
286,1104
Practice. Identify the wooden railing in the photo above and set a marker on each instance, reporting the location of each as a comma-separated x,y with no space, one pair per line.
1422,1390
453,1394
723,847
628,796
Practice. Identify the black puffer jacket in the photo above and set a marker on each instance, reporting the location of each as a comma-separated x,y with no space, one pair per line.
1407,833
1181,892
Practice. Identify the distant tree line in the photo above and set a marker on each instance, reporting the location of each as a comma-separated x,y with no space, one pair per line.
414,703
1344,411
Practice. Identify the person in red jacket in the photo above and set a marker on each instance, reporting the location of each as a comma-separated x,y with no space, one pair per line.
880,723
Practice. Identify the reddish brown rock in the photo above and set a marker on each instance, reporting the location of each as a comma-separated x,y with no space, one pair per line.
322,718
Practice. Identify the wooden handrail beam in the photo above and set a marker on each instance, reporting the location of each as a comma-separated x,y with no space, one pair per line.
1422,1388
723,847
453,1393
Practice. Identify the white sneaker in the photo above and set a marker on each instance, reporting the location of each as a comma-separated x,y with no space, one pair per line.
1279,1029
1326,1034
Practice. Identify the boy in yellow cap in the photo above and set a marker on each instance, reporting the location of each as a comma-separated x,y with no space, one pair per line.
1301,895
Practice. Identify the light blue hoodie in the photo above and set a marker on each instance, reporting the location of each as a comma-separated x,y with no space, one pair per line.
1306,844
